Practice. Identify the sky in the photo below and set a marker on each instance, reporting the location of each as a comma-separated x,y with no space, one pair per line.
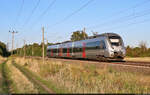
128,18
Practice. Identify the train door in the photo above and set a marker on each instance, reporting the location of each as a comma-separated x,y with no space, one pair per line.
57,54
83,50
51,52
102,48
68,51
72,50
60,51
92,49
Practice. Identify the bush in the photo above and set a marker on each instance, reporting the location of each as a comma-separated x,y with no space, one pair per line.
140,51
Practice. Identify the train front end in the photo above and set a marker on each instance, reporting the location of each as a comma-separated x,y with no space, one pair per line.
116,47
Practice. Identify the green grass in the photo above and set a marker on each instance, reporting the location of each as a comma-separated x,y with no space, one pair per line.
87,78
7,84
6,78
30,74
94,80
52,85
1,81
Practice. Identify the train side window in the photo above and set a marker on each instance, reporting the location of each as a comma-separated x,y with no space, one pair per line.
75,49
79,49
70,50
104,45
64,50
54,50
93,45
48,50
97,44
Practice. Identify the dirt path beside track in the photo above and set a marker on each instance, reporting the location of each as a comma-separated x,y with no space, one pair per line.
40,86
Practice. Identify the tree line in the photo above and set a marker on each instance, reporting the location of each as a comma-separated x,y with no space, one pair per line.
36,49
140,51
3,50
31,50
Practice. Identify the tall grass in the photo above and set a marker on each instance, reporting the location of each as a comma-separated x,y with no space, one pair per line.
80,78
1,79
138,59
20,82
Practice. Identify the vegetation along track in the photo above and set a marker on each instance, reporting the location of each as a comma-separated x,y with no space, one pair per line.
130,63
33,79
125,63
6,82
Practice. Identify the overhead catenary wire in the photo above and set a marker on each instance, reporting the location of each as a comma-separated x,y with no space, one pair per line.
43,13
19,13
132,7
127,25
124,18
137,15
73,13
32,12
118,13
127,18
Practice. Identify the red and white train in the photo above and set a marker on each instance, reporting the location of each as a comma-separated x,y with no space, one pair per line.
106,46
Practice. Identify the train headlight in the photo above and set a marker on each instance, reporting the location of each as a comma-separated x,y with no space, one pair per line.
123,51
111,53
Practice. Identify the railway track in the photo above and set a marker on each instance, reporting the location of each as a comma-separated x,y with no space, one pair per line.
125,63
126,66
130,63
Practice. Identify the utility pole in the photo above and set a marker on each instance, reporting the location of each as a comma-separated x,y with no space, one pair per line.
13,32
43,42
46,45
17,48
32,50
7,47
24,48
84,32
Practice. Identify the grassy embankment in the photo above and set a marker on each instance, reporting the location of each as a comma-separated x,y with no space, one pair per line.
33,78
21,82
6,82
51,88
1,82
14,81
138,59
87,78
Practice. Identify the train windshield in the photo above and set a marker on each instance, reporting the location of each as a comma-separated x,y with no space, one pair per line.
115,40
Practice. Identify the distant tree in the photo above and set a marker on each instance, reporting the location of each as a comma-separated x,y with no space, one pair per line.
143,46
78,35
50,43
3,50
141,51
128,51
34,49
35,44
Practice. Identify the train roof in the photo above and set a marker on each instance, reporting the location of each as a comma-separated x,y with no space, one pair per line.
91,37
104,34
